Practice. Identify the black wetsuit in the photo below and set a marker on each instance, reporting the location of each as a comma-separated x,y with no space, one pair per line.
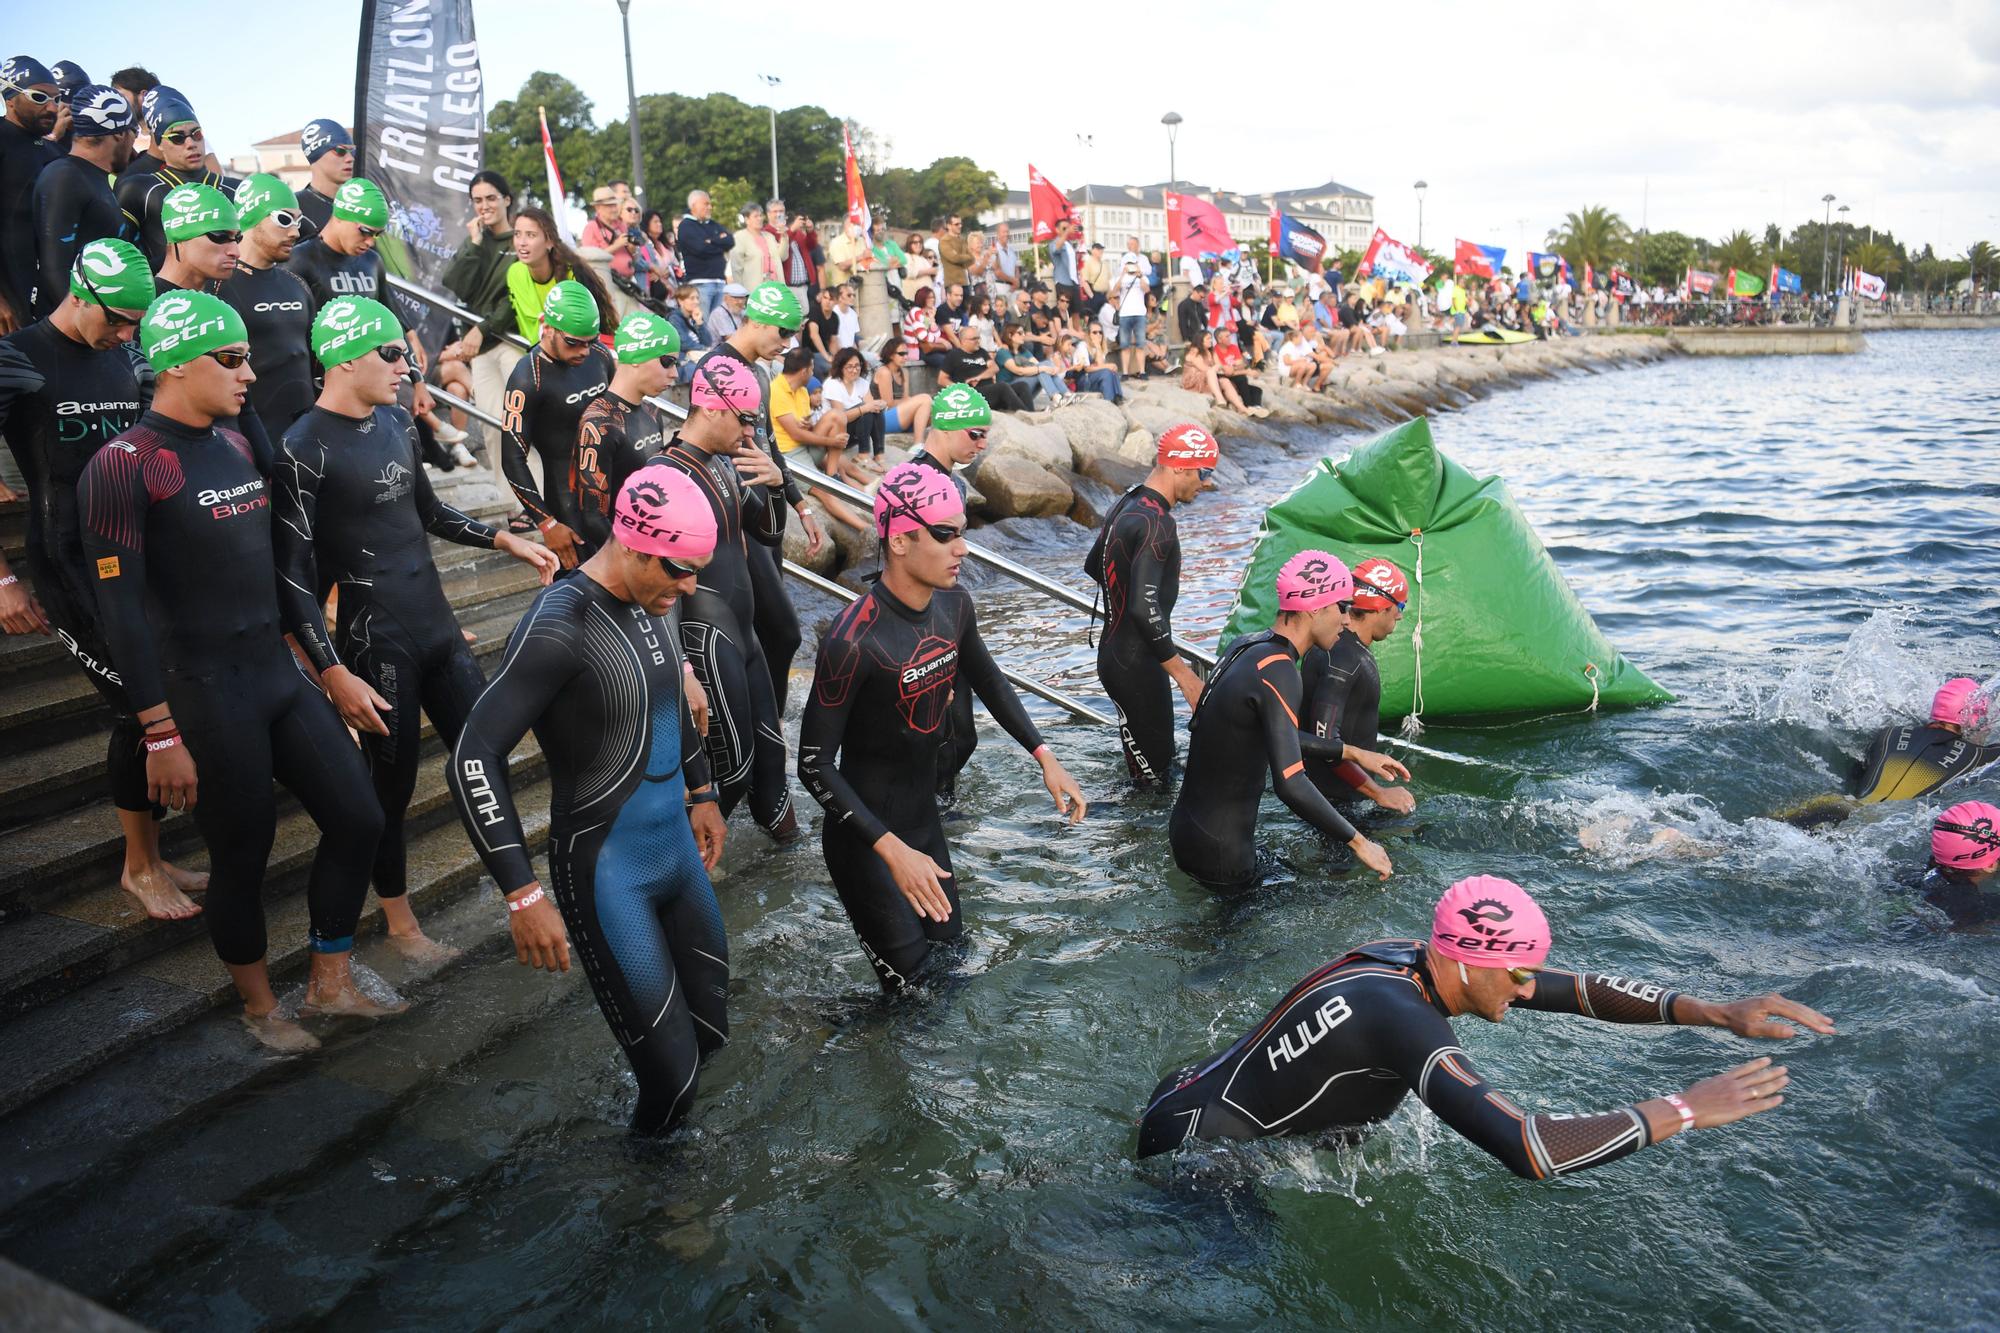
142,191
317,207
543,407
1902,764
1137,561
24,155
1343,694
59,403
599,682
868,753
277,310
613,438
263,446
356,510
327,273
73,206
961,733
1340,1052
1246,725
746,739
1965,903
177,525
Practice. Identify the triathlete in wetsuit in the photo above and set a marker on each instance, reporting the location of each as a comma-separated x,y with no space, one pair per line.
329,151
25,151
618,432
1340,1052
73,203
275,303
960,421
1965,851
177,525
1343,687
868,747
356,510
546,396
1906,762
178,141
745,739
1247,724
66,387
1137,562
594,670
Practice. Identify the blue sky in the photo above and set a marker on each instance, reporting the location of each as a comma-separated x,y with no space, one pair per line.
1700,116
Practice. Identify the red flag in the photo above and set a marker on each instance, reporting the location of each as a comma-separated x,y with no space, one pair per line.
857,199
1277,230
1589,277
1196,227
1048,206
1479,261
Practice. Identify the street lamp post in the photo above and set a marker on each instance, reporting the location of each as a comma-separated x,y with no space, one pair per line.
1842,263
1825,240
772,80
632,101
1421,187
1172,120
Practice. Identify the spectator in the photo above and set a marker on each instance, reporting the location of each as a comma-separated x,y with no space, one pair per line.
846,256
693,329
822,332
919,269
802,252
969,363
1095,373
655,256
1191,315
920,331
1003,278
847,332
727,317
1198,375
1232,368
1156,337
704,250
757,255
1296,362
1157,268
952,311
1096,279
1063,262
979,318
1129,297
607,231
954,253
822,435
1018,367
1191,273
1354,319
980,271
847,389
892,386
477,276
1132,251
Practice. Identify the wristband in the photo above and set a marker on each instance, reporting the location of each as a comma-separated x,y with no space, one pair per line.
10,581
687,667
164,741
526,901
1039,750
1686,1114
544,526
703,796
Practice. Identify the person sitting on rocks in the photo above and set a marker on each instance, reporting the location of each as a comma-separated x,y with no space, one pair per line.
1198,376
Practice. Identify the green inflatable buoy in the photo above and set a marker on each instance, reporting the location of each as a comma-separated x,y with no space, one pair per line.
1491,625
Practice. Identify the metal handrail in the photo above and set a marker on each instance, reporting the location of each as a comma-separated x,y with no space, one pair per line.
450,307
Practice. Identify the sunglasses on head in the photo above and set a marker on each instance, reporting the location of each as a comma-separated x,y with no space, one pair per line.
178,137
231,358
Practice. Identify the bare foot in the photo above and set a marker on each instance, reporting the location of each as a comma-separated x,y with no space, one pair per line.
421,948
190,881
159,896
347,1002
277,1033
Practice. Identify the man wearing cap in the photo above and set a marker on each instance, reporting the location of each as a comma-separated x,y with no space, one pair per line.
869,744
1340,1052
727,315
617,431
276,305
29,92
177,530
1905,762
606,232
73,202
329,151
594,671
546,396
1965,853
1246,724
66,387
1137,562
1343,686
182,148
356,511
199,226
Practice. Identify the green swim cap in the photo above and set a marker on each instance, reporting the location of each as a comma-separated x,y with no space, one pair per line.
261,195
189,211
180,326
643,336
773,303
360,200
569,308
959,407
352,326
114,272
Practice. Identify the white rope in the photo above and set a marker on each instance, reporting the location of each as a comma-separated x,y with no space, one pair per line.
1413,724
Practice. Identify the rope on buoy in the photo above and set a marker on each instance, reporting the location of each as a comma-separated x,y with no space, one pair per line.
1413,723
1590,674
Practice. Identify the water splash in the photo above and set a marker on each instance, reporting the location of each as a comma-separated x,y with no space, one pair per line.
1876,676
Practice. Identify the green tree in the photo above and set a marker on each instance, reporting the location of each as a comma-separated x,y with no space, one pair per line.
514,137
1875,257
1985,262
1659,258
1739,249
1594,235
916,197
731,195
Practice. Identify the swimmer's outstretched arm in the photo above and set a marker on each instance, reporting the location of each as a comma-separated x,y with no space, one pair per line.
1613,999
1277,714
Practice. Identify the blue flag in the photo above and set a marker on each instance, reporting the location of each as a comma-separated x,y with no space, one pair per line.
1785,281
1300,243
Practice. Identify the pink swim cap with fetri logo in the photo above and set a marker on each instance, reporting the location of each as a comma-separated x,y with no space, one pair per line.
911,496
660,511
724,384
1487,921
1313,579
1958,702
1967,837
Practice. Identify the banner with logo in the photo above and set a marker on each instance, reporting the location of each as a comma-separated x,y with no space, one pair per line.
1300,243
1745,284
1471,259
1784,282
1196,227
1393,259
419,131
1868,286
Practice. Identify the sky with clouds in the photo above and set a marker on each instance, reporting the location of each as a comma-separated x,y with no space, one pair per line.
1698,115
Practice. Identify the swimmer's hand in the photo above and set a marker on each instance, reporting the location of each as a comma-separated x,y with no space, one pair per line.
1377,765
1760,1016
539,938
356,701
528,553
697,702
1737,1093
1371,855
920,879
1397,799
1069,796
709,832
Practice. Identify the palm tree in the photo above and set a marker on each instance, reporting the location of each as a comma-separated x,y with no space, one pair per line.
1984,259
1595,236
1739,249
1874,257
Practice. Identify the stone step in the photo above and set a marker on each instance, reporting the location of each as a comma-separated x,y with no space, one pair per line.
48,1047
37,781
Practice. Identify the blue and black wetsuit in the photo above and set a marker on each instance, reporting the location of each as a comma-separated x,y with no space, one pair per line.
177,529
599,682
746,739
1137,561
1246,726
1343,694
1342,1050
356,510
868,753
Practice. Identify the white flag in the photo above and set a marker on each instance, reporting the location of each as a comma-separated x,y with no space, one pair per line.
558,197
1870,286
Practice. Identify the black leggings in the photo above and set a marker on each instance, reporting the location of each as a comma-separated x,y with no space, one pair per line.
1145,701
897,941
866,432
75,622
777,626
746,748
1251,395
1010,397
245,725
643,919
440,680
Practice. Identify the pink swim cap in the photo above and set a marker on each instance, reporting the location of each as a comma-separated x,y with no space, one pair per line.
1312,579
912,495
1967,837
724,384
1490,922
660,511
1958,703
